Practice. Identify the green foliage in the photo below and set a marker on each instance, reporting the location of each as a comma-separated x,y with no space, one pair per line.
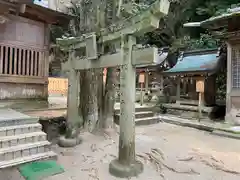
216,7
172,33
132,8
205,41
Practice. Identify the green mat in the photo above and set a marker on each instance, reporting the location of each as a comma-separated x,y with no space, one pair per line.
40,169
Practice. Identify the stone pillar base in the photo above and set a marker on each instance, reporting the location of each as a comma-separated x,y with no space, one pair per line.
124,171
64,142
231,119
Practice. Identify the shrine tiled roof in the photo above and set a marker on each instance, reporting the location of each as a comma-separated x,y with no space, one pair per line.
222,20
218,22
197,62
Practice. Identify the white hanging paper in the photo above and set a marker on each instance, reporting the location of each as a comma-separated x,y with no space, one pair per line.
43,3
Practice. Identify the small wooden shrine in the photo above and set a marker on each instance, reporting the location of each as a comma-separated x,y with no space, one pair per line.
195,75
24,46
227,26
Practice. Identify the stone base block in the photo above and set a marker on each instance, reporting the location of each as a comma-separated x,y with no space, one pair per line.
124,171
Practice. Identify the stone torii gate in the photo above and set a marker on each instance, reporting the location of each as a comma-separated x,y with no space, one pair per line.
128,58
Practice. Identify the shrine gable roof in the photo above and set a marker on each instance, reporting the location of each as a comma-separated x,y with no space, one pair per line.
197,62
231,17
36,12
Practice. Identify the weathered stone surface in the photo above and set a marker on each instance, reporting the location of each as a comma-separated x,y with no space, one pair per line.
67,142
123,171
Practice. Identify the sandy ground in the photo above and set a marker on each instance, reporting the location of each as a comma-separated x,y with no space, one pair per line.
189,154
192,154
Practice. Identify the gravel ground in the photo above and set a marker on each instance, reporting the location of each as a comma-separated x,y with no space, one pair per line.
189,154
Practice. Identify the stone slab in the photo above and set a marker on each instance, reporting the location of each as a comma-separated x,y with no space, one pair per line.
186,123
235,129
9,114
226,134
229,132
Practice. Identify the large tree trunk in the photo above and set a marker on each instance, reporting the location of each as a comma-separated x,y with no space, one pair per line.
96,104
90,100
89,79
110,89
109,99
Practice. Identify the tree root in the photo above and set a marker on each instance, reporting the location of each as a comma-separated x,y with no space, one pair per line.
156,157
215,164
219,167
186,159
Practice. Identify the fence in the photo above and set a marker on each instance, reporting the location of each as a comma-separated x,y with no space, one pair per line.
57,86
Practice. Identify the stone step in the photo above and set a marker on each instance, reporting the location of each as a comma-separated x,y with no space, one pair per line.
147,121
26,159
138,115
9,141
18,121
143,121
142,114
20,129
137,109
19,151
10,117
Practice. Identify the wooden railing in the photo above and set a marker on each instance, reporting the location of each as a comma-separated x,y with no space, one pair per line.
19,64
21,61
57,86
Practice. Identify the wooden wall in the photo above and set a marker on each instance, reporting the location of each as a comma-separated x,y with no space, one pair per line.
23,53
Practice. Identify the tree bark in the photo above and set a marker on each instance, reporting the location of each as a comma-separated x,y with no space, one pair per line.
96,104
109,92
109,99
89,100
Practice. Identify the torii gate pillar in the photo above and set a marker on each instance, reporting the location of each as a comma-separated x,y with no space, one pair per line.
126,165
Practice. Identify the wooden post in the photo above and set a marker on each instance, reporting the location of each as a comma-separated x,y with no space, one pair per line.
146,81
178,90
200,105
142,94
141,81
1,60
15,61
184,86
6,61
126,165
28,63
200,90
24,62
20,62
10,60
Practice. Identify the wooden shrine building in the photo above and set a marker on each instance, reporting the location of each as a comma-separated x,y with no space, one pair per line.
191,67
24,46
152,73
227,27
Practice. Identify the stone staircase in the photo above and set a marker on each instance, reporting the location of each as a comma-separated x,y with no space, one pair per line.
143,116
21,139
